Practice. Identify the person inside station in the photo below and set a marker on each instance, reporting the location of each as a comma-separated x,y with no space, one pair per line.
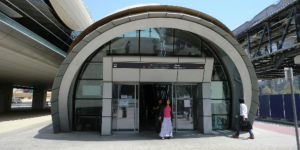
156,113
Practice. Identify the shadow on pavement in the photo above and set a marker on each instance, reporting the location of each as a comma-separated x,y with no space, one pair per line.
47,134
24,114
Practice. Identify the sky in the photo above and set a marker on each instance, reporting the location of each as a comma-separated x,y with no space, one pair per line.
232,13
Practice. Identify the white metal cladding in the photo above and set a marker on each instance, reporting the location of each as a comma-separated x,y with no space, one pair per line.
73,13
25,57
201,27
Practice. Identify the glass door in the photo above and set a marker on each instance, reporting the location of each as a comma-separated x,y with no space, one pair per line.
185,103
125,107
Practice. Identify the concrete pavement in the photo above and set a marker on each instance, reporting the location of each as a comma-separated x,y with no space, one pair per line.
39,135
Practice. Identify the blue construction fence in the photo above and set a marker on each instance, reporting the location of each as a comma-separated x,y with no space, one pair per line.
278,106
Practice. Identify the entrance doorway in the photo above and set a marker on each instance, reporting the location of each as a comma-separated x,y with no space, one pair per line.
184,104
133,106
150,94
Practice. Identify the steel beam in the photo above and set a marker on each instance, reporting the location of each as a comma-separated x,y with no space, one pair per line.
285,32
286,55
261,40
297,24
269,37
249,44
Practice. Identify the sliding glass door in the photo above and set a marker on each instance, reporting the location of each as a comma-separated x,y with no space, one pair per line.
185,107
125,107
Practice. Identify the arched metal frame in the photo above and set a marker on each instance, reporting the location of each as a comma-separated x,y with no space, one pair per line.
112,29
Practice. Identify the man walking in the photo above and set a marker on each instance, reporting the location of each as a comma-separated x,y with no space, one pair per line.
243,118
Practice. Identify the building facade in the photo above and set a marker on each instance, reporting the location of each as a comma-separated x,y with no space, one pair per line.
119,67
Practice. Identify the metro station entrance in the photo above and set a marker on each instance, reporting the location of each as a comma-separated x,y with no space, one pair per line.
133,106
150,94
184,105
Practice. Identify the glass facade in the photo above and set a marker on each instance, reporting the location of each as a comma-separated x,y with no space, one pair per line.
156,41
185,97
161,42
88,96
125,44
220,95
186,43
220,104
125,107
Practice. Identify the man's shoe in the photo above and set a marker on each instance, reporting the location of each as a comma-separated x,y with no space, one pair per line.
251,137
235,136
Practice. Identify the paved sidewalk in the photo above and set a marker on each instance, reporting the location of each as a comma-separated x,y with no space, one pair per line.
39,136
278,128
15,121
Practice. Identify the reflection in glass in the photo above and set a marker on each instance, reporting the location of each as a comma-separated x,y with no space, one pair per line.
186,44
219,90
160,42
149,41
126,44
218,73
206,51
102,51
157,41
220,107
88,107
88,123
184,104
220,122
124,108
93,71
89,89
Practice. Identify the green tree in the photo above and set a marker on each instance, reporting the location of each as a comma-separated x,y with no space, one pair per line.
267,91
287,89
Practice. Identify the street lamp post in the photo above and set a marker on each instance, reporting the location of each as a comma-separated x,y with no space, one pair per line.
289,77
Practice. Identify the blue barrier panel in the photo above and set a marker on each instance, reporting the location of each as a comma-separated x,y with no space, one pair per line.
288,106
264,106
276,106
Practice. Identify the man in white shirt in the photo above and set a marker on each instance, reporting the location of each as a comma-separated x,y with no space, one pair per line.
243,118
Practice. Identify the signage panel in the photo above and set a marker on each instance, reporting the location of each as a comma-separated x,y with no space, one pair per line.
158,65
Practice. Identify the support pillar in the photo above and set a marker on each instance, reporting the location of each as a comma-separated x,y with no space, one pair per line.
204,109
107,97
106,109
6,94
39,99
